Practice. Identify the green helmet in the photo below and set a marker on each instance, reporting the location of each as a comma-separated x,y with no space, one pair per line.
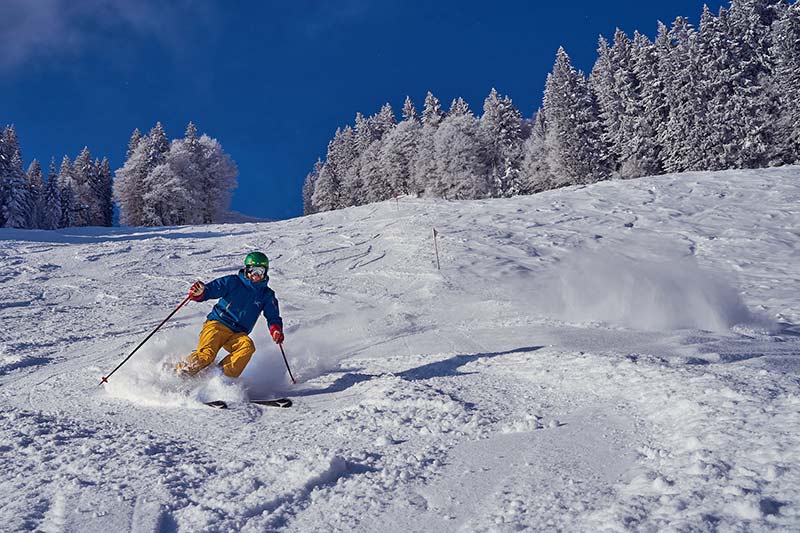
256,259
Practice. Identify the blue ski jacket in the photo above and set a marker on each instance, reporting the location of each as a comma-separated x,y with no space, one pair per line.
240,302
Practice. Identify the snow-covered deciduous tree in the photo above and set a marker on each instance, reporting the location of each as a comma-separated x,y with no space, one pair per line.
131,183
461,154
186,160
220,180
166,201
186,181
575,148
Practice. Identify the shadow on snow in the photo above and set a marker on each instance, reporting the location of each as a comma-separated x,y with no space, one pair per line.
448,367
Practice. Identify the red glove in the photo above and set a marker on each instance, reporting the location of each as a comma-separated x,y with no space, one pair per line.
277,333
196,290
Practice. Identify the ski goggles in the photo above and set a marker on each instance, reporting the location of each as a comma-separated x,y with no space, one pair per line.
256,271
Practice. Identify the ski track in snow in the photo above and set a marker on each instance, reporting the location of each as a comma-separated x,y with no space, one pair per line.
621,356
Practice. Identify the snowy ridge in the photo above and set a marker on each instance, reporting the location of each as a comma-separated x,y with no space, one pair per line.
621,356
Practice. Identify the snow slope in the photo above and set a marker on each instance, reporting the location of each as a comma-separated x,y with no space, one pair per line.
622,356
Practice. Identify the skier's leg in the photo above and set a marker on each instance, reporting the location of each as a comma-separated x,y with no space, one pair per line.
242,349
213,336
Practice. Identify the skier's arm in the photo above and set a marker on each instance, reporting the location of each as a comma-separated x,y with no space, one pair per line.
215,289
274,321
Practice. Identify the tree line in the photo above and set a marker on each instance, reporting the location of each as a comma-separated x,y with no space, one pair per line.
162,182
724,95
77,194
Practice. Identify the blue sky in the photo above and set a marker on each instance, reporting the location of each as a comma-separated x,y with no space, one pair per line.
273,80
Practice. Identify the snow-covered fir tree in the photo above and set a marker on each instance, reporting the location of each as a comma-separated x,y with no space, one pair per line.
785,58
129,182
618,99
432,114
603,84
308,188
66,184
399,148
723,96
363,177
133,142
423,172
51,204
376,182
328,191
647,114
459,107
536,175
36,188
14,191
83,170
384,121
101,205
501,123
347,162
410,110
752,108
678,72
575,148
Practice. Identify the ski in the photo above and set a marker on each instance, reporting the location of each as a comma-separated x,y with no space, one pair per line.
277,402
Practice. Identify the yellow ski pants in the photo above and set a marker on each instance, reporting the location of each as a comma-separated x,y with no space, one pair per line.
216,335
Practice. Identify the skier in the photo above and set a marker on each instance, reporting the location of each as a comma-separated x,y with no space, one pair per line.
241,298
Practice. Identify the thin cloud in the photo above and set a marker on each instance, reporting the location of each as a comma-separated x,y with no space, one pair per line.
33,30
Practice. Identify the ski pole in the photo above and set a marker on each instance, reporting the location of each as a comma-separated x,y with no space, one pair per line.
105,378
294,381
